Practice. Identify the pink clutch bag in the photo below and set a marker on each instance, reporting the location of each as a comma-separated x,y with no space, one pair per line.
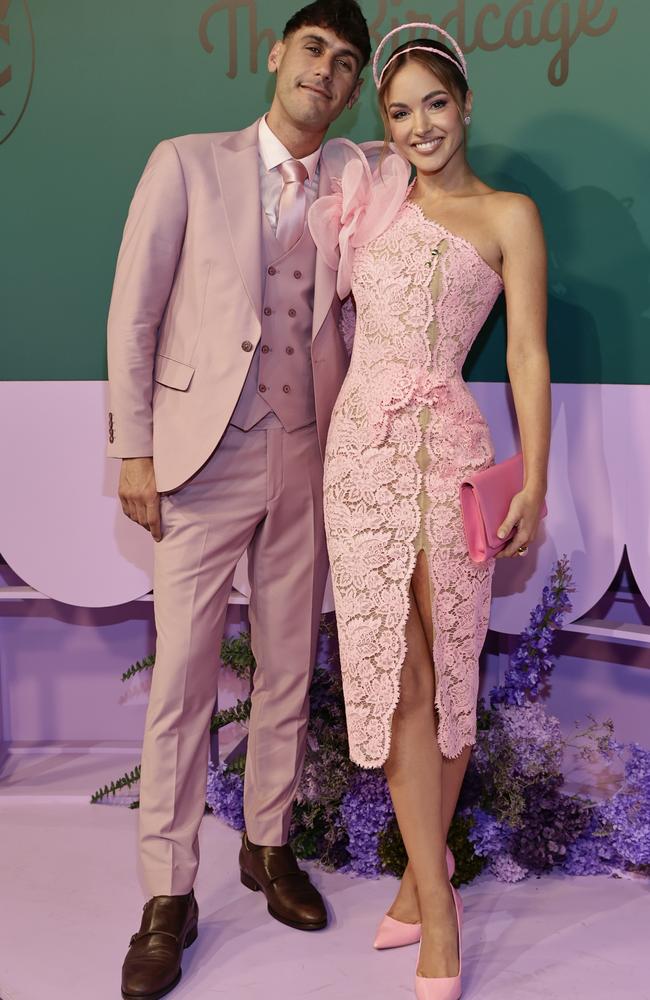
485,499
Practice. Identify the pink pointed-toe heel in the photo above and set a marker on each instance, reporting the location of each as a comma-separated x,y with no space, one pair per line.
449,988
393,933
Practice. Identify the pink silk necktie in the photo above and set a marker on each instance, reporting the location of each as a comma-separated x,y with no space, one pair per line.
293,203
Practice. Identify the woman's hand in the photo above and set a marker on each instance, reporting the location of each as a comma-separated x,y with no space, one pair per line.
524,515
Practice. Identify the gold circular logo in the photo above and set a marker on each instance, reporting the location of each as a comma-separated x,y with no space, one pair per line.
17,60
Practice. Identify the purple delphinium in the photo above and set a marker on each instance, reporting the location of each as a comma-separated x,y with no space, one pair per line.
225,795
591,854
506,869
488,836
365,811
532,661
626,816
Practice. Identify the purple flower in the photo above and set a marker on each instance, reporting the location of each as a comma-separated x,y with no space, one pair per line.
532,662
225,795
625,818
590,854
506,869
489,837
365,811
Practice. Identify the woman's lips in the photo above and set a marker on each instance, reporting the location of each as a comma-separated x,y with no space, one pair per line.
428,146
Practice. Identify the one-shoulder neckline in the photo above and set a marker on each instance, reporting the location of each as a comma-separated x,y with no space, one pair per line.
452,235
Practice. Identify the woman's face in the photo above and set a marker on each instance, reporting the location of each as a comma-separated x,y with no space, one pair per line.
425,121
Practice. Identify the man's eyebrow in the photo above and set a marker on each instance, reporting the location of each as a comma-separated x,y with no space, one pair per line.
427,97
339,52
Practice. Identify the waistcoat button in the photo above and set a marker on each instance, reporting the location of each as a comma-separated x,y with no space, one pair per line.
262,387
289,350
265,349
286,388
292,313
272,270
268,311
247,346
297,275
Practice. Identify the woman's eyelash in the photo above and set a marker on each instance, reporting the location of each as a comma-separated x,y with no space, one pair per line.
437,105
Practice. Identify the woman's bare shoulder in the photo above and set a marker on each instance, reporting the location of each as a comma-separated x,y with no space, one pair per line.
512,207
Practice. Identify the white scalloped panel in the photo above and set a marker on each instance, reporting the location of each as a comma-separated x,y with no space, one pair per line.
62,529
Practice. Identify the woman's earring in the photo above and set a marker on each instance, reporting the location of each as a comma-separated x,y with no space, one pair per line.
468,119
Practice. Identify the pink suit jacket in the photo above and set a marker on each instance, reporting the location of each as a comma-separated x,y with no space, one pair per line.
187,296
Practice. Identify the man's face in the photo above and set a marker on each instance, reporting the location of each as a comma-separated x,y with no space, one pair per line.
317,77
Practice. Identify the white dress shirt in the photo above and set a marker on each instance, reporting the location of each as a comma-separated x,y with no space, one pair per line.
272,154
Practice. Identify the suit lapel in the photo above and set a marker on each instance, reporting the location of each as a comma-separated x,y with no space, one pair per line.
237,166
325,283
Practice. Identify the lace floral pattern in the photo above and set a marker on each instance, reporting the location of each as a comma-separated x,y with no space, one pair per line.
422,294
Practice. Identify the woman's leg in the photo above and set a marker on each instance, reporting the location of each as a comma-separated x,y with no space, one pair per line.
406,905
453,773
414,770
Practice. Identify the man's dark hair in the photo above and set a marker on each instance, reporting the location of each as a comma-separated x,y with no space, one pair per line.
343,17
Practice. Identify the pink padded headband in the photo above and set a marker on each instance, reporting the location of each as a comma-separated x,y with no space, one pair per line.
425,48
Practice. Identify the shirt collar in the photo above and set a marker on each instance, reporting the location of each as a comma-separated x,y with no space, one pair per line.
273,153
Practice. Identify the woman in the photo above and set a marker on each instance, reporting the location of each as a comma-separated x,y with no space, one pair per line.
429,260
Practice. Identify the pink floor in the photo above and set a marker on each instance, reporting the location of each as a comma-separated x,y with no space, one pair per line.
70,900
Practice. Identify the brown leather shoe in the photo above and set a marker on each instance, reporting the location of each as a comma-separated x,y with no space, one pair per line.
291,897
152,967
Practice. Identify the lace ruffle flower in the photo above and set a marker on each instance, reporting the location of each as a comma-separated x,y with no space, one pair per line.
360,210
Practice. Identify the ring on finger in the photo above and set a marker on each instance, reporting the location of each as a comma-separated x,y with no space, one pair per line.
522,550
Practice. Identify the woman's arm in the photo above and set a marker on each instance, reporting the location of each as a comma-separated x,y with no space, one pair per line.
525,285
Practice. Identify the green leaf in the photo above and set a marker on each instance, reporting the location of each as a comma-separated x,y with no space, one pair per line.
139,666
237,655
127,780
238,713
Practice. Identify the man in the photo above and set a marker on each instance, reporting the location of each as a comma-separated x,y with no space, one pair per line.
225,360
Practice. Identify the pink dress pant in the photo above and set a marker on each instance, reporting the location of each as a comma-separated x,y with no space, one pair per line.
261,490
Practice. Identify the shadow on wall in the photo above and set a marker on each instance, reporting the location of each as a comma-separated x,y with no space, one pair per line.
598,262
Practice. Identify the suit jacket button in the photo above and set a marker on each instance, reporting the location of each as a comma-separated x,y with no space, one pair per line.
265,349
289,350
247,346
292,313
297,275
286,388
271,270
262,387
268,311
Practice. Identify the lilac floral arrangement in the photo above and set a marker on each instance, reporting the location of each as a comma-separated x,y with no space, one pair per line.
514,817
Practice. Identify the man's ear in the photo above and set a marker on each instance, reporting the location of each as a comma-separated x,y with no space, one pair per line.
354,96
275,56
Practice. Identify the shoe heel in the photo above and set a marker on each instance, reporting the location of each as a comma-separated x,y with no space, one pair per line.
192,935
249,882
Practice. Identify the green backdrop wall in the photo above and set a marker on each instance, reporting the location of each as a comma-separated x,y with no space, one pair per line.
87,88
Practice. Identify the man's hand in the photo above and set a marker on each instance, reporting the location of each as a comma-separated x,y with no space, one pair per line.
138,494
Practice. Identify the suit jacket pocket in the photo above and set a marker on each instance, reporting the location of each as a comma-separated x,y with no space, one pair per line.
174,374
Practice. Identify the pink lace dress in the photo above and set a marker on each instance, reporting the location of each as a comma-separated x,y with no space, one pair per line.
405,432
